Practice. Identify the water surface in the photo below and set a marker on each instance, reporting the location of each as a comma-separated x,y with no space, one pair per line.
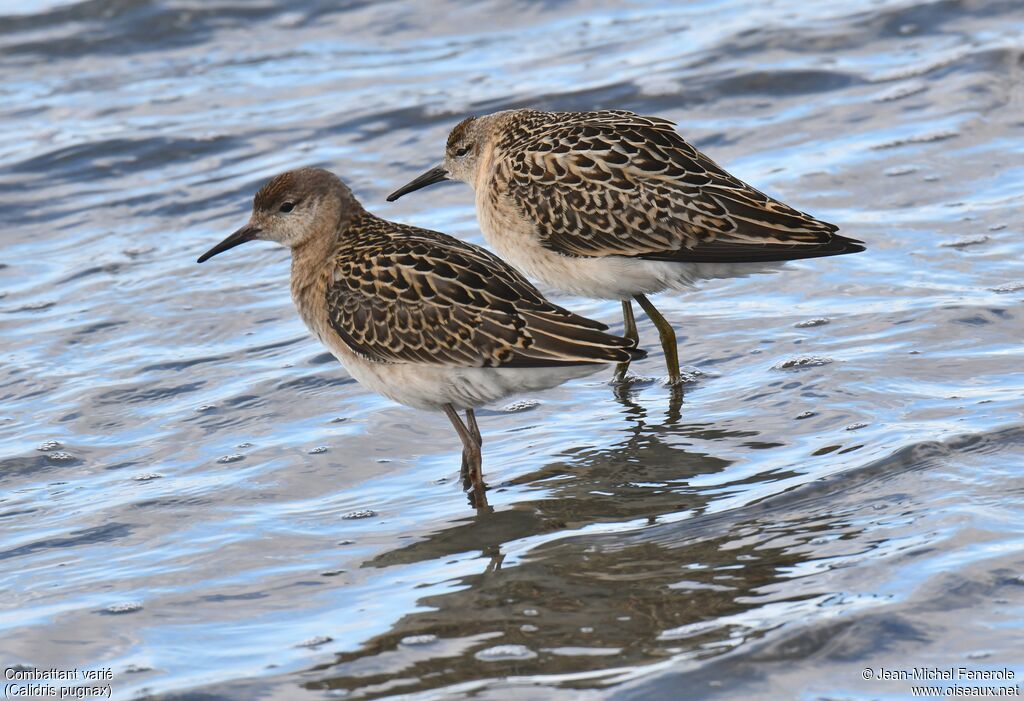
194,494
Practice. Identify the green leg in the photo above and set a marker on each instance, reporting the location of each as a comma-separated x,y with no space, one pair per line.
630,332
474,429
668,338
472,474
478,495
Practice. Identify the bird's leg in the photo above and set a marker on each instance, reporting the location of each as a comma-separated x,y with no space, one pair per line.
629,331
668,338
478,498
471,422
471,454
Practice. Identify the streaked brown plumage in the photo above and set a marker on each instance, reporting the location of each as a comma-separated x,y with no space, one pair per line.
615,183
611,204
401,294
421,317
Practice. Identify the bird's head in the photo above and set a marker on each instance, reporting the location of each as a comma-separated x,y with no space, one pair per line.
468,145
293,208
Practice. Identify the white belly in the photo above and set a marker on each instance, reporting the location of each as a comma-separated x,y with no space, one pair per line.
430,387
610,277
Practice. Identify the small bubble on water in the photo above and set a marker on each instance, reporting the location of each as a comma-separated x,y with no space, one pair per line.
521,405
242,446
319,449
586,629
689,375
633,379
234,457
315,641
290,20
857,426
925,138
531,612
805,415
60,456
966,241
122,608
205,407
979,654
147,476
896,171
997,227
50,445
362,513
339,420
136,669
424,639
528,628
811,323
500,653
346,542
805,361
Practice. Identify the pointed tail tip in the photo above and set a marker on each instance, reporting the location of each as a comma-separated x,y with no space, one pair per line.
850,245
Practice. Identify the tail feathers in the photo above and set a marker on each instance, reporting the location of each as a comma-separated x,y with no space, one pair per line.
558,340
735,252
636,353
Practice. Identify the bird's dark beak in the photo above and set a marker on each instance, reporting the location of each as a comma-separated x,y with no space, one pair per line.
246,233
434,175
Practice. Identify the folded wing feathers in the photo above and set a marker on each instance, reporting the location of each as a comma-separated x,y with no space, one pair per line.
558,337
407,295
617,183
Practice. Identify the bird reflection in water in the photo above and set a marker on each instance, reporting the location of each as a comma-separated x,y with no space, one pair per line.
577,565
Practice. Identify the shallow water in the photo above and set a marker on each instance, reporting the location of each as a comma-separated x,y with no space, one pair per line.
195,495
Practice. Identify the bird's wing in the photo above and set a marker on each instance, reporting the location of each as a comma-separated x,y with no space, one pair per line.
616,183
408,295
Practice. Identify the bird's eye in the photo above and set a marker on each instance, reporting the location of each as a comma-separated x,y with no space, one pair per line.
462,151
286,207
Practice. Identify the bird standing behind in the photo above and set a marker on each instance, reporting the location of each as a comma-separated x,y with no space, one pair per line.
423,318
614,205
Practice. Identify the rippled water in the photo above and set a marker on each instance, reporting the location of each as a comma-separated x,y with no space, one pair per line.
195,495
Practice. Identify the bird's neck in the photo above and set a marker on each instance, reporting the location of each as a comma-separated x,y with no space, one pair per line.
312,258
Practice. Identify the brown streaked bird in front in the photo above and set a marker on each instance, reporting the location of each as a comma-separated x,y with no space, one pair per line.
421,317
614,205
